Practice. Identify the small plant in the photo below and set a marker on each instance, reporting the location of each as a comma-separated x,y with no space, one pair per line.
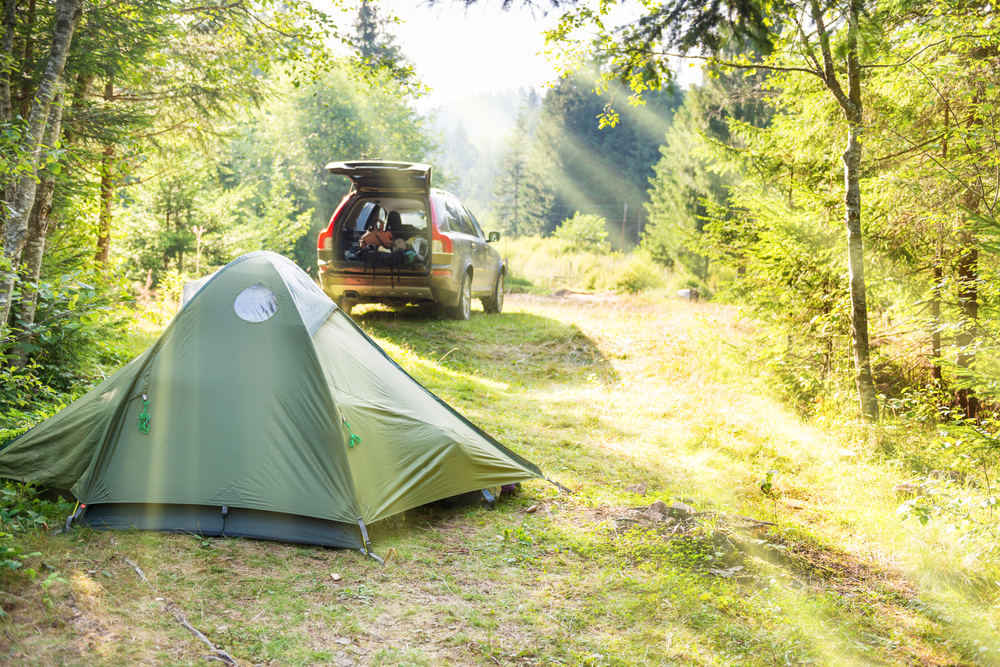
767,483
584,233
22,512
172,285
768,489
964,495
12,554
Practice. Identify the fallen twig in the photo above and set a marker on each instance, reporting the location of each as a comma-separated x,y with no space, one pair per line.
446,354
756,522
142,575
446,585
175,611
179,615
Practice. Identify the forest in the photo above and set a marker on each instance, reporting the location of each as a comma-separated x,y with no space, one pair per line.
810,231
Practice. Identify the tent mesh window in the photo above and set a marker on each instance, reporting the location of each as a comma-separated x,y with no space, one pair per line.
256,303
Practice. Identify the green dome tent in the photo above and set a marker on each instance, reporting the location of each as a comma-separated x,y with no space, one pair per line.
262,411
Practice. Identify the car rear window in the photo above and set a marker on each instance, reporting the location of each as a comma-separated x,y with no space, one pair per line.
369,213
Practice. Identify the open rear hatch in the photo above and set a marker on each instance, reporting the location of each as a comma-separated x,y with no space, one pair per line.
384,226
380,176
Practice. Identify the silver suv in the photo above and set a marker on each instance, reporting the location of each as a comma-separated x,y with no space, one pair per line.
395,240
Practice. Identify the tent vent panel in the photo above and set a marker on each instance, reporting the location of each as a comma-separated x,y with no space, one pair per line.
256,303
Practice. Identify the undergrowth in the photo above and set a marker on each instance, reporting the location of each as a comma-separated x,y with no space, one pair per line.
24,513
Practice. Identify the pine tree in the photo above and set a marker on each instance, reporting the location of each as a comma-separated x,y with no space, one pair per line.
686,188
372,40
509,185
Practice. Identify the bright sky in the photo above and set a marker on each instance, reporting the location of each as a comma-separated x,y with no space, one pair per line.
461,51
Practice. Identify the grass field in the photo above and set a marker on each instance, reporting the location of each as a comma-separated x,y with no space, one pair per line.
602,392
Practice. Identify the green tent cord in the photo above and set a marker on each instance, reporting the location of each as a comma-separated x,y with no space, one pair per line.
355,439
144,417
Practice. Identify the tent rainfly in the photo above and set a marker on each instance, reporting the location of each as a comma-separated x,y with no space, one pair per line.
262,411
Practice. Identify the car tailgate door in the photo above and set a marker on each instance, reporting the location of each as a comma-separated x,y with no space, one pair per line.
379,176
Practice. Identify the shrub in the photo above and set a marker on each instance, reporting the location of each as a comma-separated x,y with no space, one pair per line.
639,275
584,233
517,284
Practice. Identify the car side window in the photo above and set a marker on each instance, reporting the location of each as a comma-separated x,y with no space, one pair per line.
466,222
477,230
456,221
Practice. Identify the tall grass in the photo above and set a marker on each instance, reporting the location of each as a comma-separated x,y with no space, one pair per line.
552,264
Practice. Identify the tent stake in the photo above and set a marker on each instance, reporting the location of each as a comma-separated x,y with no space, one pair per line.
560,486
81,508
367,550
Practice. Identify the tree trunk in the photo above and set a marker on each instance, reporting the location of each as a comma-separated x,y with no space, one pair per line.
937,374
6,104
26,56
850,104
107,190
80,91
7,59
107,194
856,271
15,229
852,218
935,304
968,283
34,245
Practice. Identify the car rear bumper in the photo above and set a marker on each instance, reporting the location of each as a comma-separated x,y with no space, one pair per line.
381,288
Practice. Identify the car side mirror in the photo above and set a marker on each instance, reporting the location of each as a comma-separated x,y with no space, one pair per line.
494,236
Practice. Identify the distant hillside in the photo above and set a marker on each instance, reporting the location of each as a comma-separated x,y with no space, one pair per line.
475,130
486,116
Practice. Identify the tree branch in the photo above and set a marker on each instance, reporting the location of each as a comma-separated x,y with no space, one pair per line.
829,73
211,8
943,167
910,149
908,60
727,63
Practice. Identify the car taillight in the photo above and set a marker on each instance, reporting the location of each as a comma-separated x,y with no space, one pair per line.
440,243
325,240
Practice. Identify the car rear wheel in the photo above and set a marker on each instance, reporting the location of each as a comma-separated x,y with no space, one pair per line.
464,307
494,303
345,305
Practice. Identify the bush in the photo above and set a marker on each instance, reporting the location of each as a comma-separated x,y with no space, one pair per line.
639,275
584,233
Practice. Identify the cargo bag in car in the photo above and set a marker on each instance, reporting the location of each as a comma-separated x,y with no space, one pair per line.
391,260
